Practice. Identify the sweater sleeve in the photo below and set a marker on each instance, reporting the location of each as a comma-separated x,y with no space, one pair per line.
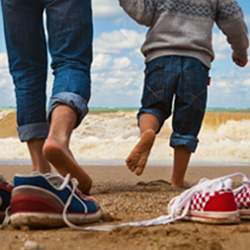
142,11
230,20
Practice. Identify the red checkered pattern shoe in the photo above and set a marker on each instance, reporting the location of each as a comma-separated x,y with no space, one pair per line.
217,207
210,201
242,198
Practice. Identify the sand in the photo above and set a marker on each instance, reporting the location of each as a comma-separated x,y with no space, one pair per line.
125,198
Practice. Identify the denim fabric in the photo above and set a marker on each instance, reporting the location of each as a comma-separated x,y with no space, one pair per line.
70,32
72,100
184,80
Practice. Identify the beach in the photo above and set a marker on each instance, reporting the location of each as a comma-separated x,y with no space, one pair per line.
126,198
100,144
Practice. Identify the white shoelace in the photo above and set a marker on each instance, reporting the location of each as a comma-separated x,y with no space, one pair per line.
181,201
67,204
6,218
246,183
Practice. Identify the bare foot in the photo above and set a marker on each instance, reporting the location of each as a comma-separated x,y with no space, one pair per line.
185,184
62,159
137,159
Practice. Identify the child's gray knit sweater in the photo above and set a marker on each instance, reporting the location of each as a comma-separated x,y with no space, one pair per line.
184,27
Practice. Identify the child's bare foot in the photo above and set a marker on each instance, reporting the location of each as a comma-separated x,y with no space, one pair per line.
62,159
137,159
184,184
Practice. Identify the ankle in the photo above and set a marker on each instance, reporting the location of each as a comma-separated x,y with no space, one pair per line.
42,167
61,140
177,182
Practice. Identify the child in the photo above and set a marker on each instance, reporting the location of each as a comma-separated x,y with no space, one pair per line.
178,52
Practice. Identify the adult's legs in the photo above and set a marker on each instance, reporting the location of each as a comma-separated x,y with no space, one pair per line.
27,55
39,163
70,42
56,149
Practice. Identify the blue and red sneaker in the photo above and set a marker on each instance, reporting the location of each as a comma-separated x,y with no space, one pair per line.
5,196
51,200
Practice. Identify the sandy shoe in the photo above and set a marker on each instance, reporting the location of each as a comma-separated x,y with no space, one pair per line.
216,207
49,201
210,201
242,198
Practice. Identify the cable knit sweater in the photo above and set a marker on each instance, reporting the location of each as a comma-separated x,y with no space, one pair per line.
184,27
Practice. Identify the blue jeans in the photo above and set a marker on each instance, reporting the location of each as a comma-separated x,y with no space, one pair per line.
70,34
185,79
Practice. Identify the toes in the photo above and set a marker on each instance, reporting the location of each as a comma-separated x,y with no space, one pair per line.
130,164
139,170
128,161
132,168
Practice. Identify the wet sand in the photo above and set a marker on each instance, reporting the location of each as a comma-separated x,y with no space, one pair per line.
126,197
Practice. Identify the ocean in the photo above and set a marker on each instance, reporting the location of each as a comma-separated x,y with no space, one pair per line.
106,137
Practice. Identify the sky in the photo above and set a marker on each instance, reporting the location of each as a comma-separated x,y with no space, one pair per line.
118,65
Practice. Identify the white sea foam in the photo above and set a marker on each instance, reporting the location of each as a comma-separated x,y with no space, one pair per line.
108,138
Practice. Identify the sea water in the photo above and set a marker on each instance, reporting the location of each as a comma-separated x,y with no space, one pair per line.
107,136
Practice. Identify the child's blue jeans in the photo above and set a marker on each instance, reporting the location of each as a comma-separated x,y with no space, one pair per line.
69,25
185,79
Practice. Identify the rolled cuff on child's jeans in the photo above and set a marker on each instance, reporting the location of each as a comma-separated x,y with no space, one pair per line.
74,101
33,131
188,141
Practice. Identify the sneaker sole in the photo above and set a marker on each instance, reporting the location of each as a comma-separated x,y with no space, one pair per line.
213,217
46,220
244,214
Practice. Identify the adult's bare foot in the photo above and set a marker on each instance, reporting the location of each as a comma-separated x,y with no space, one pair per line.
62,159
137,159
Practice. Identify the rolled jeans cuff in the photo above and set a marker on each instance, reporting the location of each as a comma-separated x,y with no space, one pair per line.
188,141
33,131
74,101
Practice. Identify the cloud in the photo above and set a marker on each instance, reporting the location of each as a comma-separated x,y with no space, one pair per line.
121,63
101,61
118,41
107,9
246,82
7,97
247,19
7,92
118,72
220,84
231,89
221,47
117,77
119,84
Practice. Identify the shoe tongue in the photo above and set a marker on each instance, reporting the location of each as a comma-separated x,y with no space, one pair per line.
55,179
228,183
216,185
